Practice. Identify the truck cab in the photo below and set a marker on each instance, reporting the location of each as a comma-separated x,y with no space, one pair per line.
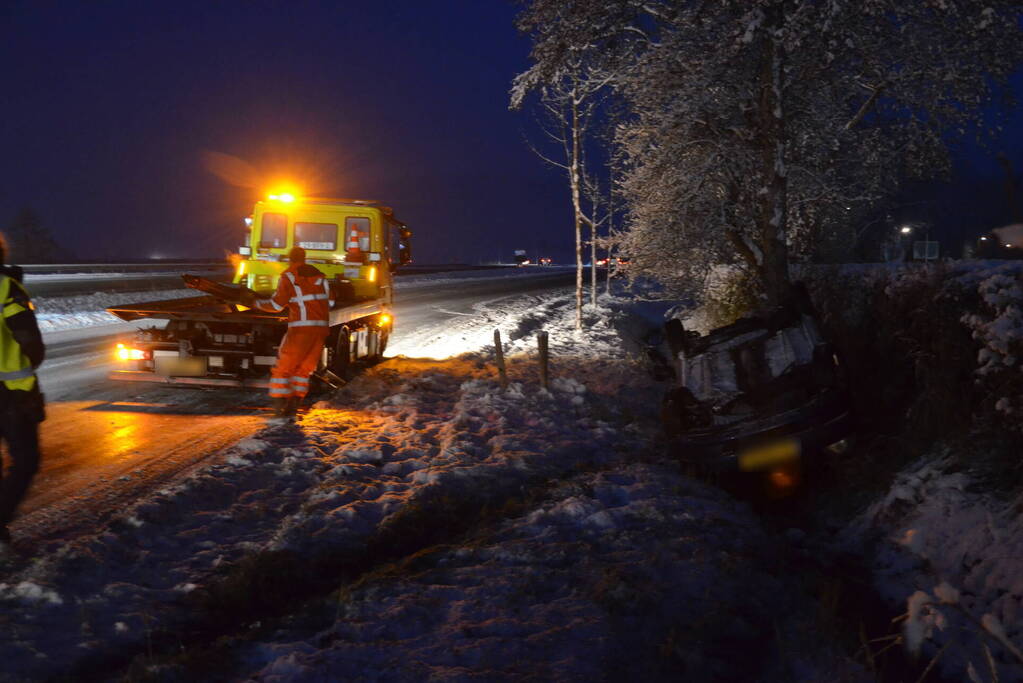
356,243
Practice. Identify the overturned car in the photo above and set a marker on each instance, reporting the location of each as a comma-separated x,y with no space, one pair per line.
764,395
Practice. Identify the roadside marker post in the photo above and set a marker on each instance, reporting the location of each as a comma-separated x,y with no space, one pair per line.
499,353
541,340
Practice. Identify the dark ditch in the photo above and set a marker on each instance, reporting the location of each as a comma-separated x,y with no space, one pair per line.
860,619
866,625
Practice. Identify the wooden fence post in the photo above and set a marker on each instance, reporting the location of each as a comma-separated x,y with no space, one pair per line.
499,352
541,340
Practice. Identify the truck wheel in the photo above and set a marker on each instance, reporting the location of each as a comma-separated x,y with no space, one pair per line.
380,339
341,354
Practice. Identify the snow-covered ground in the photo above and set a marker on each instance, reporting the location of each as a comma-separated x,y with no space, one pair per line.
540,535
544,535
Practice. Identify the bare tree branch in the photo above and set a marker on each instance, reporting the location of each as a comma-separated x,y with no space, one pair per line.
864,108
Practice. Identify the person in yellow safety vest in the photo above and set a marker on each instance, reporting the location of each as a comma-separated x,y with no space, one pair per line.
21,402
305,292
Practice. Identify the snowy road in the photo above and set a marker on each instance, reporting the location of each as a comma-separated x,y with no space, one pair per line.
107,443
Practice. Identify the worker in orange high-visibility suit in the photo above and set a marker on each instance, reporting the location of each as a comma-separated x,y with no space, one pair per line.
306,293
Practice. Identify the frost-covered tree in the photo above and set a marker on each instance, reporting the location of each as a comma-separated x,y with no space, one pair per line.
567,102
755,124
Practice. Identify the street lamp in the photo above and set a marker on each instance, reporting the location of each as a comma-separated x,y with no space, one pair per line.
906,229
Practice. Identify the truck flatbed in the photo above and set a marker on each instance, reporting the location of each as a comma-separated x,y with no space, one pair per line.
209,308
205,308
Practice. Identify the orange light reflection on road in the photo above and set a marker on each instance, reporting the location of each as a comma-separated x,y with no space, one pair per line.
123,432
94,451
103,431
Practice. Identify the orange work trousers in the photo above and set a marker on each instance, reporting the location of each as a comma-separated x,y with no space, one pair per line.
298,356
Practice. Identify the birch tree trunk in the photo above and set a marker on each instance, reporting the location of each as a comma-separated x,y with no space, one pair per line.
574,180
610,233
773,218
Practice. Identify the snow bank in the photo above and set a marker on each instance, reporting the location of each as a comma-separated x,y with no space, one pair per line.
999,329
956,553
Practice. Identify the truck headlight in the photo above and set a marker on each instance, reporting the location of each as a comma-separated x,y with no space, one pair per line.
126,353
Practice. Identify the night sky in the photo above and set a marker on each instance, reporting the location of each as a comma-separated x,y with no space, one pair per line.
112,108
112,112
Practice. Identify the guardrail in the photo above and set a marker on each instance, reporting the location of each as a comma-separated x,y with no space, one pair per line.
158,266
120,267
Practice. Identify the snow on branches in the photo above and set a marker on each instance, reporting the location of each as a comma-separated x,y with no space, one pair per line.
764,122
1000,332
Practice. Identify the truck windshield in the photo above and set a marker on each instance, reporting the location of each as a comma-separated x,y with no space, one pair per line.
274,230
316,236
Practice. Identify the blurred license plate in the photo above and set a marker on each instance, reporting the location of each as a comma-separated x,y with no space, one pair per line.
180,367
769,454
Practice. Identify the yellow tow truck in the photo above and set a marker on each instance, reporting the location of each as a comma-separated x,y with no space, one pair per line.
214,339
